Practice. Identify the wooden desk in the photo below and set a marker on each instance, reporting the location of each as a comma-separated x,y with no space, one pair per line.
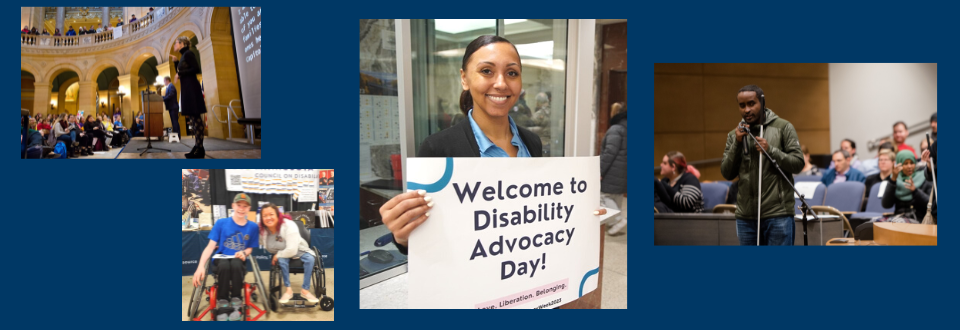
904,234
850,242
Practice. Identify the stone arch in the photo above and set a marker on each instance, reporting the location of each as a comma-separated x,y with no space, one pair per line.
183,28
137,59
61,94
216,16
32,70
60,68
104,64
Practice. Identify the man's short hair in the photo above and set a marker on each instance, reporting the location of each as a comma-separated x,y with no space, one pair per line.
844,152
899,123
888,146
852,144
166,78
933,118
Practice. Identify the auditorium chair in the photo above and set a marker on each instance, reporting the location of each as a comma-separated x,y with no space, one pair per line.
725,208
655,210
845,196
874,208
713,194
815,200
833,211
804,178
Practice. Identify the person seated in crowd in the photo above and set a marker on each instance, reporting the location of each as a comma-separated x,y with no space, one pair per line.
114,132
911,191
850,147
71,32
237,237
92,128
933,127
886,160
900,134
281,237
56,33
138,125
922,165
842,172
44,125
83,136
681,189
118,124
871,166
64,132
808,168
35,146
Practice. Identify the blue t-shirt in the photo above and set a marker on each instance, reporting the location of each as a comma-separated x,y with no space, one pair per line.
232,238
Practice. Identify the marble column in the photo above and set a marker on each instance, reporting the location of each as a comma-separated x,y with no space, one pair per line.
37,18
129,84
87,100
61,12
220,83
41,98
106,18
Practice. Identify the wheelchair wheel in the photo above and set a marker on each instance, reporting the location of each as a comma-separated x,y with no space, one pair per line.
275,287
326,304
195,299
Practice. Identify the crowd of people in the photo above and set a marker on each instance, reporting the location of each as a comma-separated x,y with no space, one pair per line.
80,31
40,135
906,172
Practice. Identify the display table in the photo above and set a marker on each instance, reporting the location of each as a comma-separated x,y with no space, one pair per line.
193,243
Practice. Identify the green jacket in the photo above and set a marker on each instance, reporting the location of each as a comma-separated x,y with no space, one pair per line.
784,147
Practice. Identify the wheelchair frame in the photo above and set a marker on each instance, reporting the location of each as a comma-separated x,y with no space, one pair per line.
319,288
249,296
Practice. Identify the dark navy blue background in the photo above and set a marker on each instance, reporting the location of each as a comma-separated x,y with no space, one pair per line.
81,232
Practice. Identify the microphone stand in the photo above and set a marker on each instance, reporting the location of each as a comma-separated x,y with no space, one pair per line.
805,208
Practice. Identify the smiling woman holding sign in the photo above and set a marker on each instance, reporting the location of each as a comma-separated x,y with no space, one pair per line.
491,79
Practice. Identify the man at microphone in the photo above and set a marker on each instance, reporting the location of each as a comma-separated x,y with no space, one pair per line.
741,158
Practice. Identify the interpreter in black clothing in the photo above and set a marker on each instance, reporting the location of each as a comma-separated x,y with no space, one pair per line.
683,194
192,104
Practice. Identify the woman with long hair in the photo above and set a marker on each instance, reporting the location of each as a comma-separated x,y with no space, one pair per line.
681,189
281,237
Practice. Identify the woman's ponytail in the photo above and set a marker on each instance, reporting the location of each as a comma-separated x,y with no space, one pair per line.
466,102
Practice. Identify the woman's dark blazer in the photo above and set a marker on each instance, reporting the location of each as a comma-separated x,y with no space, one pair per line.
459,141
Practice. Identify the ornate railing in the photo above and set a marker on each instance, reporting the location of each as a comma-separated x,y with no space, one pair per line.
128,31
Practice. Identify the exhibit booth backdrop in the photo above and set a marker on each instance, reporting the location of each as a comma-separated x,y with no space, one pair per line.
218,203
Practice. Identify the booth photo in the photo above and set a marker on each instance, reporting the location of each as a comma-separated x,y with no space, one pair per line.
257,244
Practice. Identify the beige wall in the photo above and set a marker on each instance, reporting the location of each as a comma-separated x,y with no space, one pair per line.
695,106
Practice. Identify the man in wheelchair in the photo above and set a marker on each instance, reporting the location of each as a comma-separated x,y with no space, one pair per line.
236,237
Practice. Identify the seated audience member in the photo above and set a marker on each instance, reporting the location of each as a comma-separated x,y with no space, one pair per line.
886,160
35,147
118,124
910,194
843,172
683,194
851,147
808,168
67,135
900,134
871,166
92,128
922,165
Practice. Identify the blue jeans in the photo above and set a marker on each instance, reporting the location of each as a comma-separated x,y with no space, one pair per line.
308,261
73,136
775,231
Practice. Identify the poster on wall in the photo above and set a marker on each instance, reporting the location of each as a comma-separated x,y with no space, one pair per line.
196,212
301,183
523,238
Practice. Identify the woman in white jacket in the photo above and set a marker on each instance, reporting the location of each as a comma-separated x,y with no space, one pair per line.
282,239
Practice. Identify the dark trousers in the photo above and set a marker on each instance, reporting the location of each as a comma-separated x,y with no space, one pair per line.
230,274
175,120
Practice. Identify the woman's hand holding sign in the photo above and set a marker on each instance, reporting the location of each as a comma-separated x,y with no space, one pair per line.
404,213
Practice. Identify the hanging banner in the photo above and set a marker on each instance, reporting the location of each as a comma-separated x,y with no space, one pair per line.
301,183
505,232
